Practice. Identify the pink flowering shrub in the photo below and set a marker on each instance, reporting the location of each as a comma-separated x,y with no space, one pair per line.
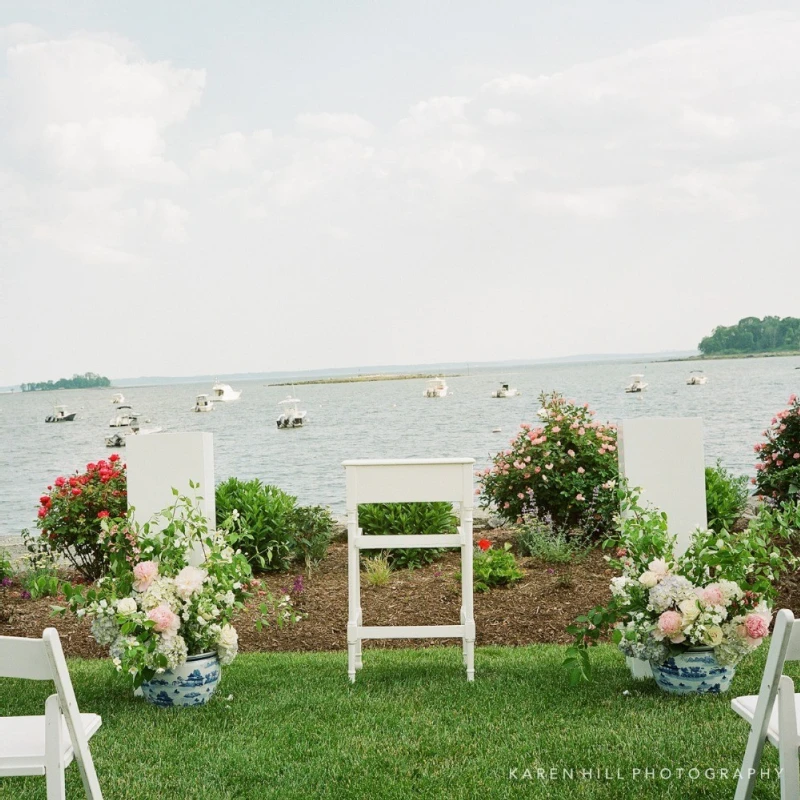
564,469
778,467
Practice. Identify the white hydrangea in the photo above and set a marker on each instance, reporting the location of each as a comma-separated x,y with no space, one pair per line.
619,588
174,648
672,591
161,591
227,644
730,591
105,629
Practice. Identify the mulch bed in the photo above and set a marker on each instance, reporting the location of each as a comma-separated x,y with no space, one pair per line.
535,610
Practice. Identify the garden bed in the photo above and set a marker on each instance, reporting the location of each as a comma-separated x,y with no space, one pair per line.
535,610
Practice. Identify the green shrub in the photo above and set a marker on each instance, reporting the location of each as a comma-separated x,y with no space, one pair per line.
726,497
72,510
312,528
276,532
540,539
38,574
492,567
565,468
377,569
400,519
6,568
778,467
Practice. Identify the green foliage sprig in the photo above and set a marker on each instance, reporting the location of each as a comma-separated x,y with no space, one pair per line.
726,497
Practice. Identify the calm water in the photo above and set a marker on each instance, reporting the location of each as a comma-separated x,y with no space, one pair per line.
386,419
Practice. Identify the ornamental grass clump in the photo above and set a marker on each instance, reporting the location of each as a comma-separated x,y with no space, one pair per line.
565,468
172,589
72,511
778,467
718,594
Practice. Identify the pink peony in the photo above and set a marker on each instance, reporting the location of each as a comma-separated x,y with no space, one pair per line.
756,626
712,596
670,623
165,619
144,574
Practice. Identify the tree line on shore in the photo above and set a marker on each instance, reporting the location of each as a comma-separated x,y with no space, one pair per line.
753,335
88,380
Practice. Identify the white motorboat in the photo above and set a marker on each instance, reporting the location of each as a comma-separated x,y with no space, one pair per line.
504,391
123,418
696,378
637,384
60,414
292,416
222,393
437,387
118,399
118,439
202,403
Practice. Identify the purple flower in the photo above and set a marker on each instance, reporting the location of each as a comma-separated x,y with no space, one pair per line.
5,582
25,594
297,586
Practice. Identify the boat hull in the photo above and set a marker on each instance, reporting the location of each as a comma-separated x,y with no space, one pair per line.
65,418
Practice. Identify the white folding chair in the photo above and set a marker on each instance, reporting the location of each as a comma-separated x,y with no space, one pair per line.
406,481
771,720
46,745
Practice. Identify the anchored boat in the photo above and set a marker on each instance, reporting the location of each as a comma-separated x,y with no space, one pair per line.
123,418
504,391
202,403
60,415
636,384
292,416
222,393
696,378
437,387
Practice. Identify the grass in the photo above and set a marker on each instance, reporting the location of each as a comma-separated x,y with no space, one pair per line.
410,727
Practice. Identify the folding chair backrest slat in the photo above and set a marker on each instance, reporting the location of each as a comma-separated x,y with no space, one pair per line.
24,658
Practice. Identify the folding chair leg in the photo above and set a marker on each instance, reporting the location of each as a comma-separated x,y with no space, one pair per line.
54,750
787,740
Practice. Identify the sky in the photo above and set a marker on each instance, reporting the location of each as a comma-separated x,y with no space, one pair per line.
207,188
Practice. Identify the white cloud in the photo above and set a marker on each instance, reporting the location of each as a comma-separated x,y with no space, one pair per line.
497,117
336,125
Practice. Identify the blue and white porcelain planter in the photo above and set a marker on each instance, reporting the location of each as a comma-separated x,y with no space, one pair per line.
190,684
695,671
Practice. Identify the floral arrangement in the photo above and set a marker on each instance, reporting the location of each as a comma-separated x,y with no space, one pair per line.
172,589
778,466
72,510
718,594
565,467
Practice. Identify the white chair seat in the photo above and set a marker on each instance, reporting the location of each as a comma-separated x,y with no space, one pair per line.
22,743
745,707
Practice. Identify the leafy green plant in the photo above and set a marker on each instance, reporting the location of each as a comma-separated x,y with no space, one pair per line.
72,510
539,538
778,467
6,567
377,570
312,529
565,468
265,515
726,497
398,519
492,567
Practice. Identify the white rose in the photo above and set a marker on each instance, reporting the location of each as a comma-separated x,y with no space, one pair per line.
189,581
228,638
648,579
713,636
689,609
126,606
659,567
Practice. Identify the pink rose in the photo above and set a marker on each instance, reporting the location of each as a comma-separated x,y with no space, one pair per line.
581,470
144,573
165,619
712,596
670,623
756,626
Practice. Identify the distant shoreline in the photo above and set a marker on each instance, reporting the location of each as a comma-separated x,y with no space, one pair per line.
362,379
784,354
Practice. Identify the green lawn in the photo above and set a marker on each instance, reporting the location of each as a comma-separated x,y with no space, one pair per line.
410,727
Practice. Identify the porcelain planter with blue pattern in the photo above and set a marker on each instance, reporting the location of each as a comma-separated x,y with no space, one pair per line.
190,684
694,671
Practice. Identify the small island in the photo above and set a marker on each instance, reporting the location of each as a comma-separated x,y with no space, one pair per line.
88,380
752,336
